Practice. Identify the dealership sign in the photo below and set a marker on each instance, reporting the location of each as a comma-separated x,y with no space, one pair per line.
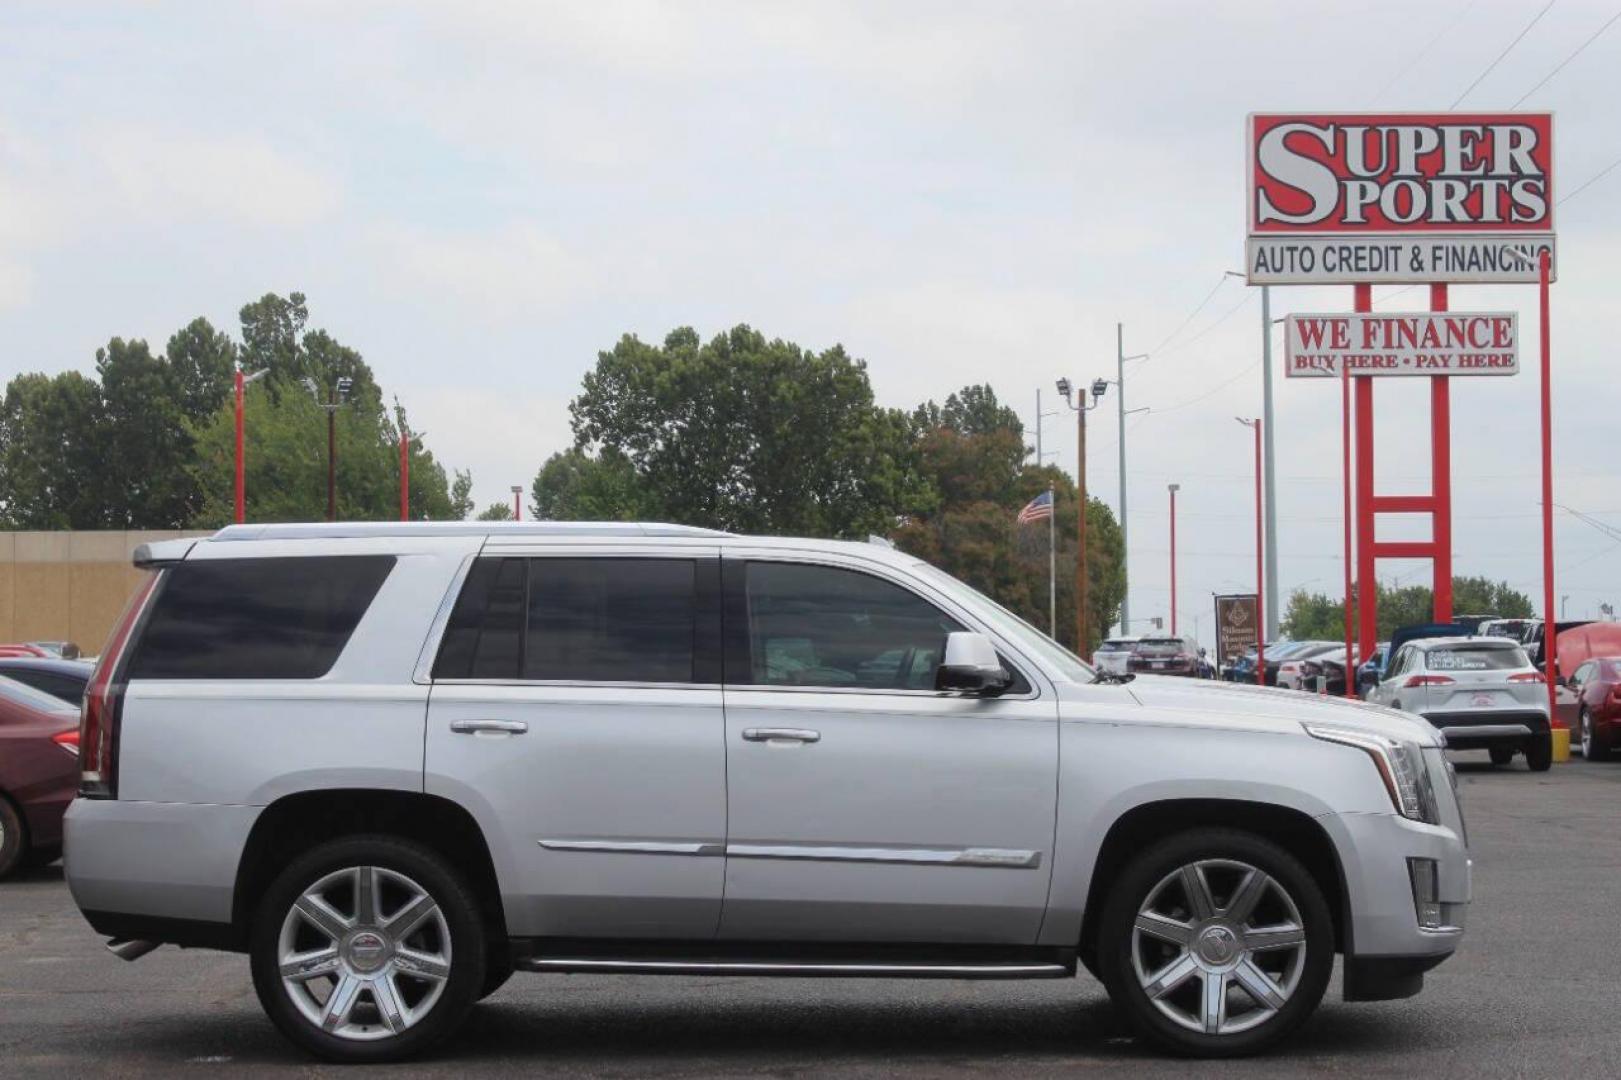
1403,343
1339,198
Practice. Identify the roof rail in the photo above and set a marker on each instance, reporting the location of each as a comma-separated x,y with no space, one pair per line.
365,529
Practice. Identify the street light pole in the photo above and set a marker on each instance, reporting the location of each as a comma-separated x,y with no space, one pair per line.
1122,412
1173,489
332,455
1260,568
517,502
1081,408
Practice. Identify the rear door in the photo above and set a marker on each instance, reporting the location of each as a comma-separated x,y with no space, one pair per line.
576,710
864,805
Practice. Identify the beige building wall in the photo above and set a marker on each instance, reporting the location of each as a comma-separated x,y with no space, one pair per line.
68,586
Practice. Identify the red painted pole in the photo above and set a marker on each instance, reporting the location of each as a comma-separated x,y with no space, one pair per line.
517,505
241,493
405,474
1345,491
1441,479
1550,634
1260,571
1367,607
1173,560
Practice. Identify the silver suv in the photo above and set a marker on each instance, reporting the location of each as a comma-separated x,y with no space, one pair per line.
396,763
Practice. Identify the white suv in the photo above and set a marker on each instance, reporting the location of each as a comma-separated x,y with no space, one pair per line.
395,763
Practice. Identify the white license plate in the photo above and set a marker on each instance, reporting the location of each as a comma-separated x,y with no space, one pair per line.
1482,699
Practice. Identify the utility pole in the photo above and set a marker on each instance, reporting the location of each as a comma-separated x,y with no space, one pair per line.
242,382
1174,488
1261,636
1125,539
1052,528
1066,390
1125,536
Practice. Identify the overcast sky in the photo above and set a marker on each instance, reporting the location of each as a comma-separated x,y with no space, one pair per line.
480,196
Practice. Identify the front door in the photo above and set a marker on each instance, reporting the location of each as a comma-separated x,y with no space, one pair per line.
865,806
576,711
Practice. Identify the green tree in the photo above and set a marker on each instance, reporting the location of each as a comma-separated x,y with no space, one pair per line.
496,511
575,485
972,456
52,456
1315,615
749,434
461,495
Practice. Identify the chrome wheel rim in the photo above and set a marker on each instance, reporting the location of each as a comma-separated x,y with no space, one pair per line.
364,953
1587,736
1219,946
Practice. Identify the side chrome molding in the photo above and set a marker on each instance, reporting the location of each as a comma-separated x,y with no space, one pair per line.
1005,858
839,968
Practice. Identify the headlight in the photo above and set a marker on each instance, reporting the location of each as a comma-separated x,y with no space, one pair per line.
1400,765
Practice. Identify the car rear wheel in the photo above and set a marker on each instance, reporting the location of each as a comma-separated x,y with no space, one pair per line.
13,838
1539,753
368,949
1595,743
1216,943
1501,755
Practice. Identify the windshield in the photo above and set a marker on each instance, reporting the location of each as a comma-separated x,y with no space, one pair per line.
1005,622
1160,646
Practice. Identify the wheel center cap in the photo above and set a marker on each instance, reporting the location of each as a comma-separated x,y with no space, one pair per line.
1217,945
367,951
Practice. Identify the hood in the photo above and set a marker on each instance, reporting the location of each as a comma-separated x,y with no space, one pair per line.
1255,708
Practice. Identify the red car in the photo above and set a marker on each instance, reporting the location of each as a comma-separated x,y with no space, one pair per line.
39,773
1596,682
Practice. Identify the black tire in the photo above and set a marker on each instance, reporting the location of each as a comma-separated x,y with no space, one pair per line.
1596,742
13,838
1539,753
497,970
1501,755
424,868
1117,948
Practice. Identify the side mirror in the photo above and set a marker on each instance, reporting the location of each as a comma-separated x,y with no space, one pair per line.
970,666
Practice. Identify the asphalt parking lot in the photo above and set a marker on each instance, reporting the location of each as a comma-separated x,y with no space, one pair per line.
1531,994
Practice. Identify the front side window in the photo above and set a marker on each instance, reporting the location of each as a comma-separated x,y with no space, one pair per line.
273,618
829,627
573,620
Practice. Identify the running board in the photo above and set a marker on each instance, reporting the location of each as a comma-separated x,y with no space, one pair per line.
844,969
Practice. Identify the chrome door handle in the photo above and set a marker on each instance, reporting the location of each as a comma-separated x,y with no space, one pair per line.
473,727
781,734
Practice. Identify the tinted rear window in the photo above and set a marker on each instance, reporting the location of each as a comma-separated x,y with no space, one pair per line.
1476,659
580,620
278,618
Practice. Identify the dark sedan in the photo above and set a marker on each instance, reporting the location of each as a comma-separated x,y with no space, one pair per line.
39,773
65,679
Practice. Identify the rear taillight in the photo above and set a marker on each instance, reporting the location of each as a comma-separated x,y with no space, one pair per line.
1427,680
68,740
103,704
1527,676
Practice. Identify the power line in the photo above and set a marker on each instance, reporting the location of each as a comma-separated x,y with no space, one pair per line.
1560,66
1209,393
1601,174
1510,48
1183,324
1249,295
1428,45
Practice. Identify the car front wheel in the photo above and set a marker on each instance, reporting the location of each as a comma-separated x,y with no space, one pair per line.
1216,943
368,949
1595,743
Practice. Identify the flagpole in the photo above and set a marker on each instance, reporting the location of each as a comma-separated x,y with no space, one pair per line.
1052,564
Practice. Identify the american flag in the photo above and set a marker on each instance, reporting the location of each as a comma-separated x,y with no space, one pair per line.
1037,508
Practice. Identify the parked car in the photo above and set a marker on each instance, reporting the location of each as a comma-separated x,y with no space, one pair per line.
1166,654
1328,666
1242,670
418,757
1369,671
63,679
23,648
1513,629
1596,683
1113,654
1481,693
39,771
1287,671
62,650
1533,641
